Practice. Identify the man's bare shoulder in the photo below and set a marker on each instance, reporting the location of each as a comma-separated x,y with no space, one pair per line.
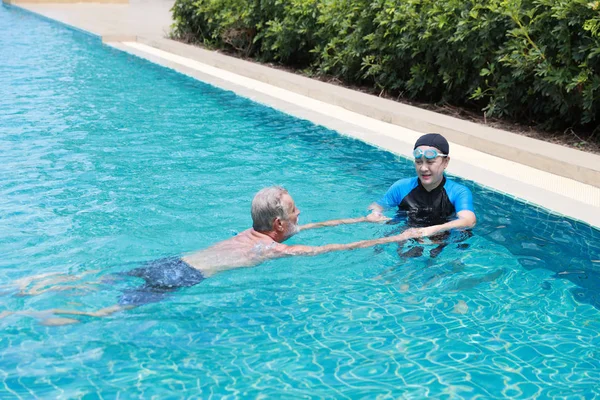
246,239
256,246
245,249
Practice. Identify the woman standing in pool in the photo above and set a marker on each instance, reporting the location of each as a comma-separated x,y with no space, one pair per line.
429,201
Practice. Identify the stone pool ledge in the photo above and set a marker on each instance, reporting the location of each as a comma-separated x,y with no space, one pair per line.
18,2
560,179
148,18
553,192
560,160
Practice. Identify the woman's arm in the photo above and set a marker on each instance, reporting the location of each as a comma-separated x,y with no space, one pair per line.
466,220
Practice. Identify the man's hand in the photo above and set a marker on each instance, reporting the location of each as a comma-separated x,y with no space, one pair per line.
465,220
418,233
376,216
428,231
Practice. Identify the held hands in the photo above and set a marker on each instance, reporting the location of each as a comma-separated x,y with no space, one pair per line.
415,233
427,231
412,233
376,216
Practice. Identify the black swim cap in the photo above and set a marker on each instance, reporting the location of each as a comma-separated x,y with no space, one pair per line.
434,140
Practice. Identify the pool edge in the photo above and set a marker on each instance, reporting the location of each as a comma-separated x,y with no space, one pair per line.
363,135
536,197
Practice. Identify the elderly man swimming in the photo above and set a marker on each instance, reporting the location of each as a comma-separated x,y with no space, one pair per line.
275,219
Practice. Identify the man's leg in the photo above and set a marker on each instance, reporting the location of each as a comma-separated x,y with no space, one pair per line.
41,283
103,312
43,316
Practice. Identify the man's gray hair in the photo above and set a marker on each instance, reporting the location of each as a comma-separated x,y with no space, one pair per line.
266,206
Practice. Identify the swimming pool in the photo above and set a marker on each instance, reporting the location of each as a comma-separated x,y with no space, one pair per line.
108,161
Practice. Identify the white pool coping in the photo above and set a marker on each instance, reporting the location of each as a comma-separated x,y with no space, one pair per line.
557,194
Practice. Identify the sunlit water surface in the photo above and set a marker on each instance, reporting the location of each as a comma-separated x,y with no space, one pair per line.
107,161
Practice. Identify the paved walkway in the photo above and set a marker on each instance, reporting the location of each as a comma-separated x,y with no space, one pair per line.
140,27
147,18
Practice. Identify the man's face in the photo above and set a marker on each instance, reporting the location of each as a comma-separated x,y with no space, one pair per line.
430,172
291,225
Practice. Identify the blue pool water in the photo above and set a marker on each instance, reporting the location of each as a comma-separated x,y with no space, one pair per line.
107,161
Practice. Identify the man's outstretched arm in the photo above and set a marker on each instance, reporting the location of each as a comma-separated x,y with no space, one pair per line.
344,221
300,250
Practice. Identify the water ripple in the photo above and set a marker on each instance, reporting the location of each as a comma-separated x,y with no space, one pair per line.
107,161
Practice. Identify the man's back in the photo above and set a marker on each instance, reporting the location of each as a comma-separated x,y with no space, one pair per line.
246,249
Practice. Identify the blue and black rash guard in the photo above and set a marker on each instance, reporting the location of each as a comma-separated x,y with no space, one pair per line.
425,208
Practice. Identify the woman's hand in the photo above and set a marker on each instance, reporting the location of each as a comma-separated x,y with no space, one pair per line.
376,216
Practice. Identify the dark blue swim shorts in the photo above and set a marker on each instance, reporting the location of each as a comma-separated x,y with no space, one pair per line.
161,277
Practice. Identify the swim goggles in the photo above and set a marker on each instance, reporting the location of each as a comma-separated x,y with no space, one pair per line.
429,154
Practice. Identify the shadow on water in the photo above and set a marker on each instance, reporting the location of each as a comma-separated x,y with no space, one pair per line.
588,285
471,282
538,239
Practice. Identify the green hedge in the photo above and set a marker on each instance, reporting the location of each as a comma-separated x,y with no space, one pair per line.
535,61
